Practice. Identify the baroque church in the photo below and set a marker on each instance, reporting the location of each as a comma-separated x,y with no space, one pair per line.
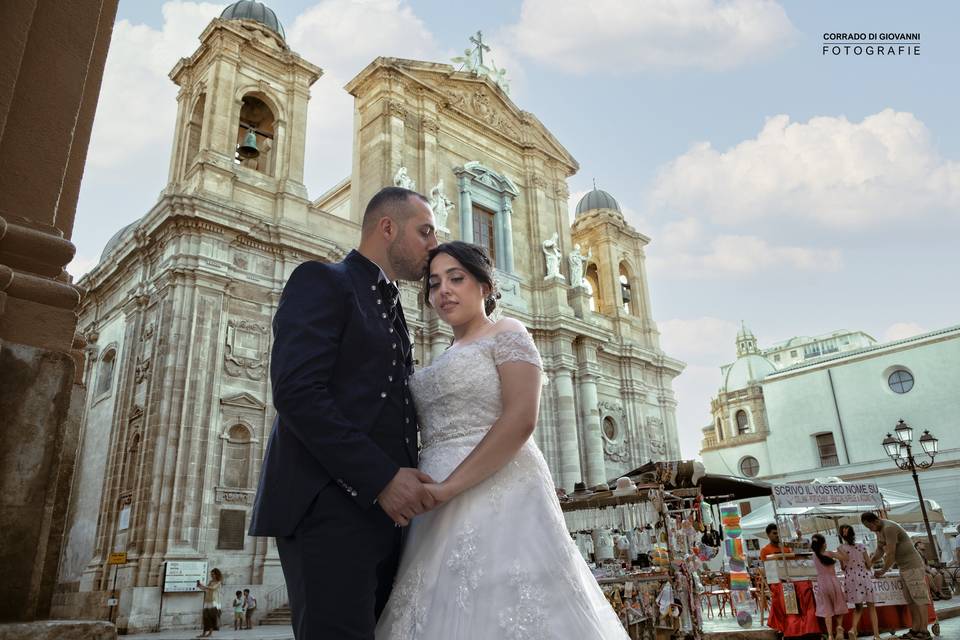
177,313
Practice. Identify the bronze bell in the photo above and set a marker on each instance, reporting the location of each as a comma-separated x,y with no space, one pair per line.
249,149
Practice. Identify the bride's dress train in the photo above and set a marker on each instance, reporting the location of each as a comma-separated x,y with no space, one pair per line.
496,562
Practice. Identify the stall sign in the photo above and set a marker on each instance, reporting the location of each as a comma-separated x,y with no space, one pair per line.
855,494
888,591
790,599
183,575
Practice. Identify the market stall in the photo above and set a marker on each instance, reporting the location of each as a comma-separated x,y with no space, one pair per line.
636,551
810,507
650,574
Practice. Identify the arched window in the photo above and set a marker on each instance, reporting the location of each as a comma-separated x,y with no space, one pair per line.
626,295
236,458
592,285
743,425
194,128
256,118
105,372
719,429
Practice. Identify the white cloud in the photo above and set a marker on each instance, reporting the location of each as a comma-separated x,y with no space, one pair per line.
828,170
731,255
613,36
138,105
705,343
901,330
328,35
699,340
693,390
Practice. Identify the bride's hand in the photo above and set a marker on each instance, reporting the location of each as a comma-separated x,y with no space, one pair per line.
439,491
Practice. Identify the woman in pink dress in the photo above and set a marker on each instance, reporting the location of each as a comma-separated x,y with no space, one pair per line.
831,600
857,579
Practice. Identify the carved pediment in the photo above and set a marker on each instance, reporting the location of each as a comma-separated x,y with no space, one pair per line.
477,98
243,400
488,177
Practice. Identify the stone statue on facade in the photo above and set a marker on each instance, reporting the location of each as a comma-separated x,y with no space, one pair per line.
472,62
401,179
441,206
577,262
551,251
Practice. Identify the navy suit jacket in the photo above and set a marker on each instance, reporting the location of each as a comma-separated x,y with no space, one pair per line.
332,351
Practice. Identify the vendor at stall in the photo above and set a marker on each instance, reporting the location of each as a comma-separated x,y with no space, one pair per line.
773,535
893,545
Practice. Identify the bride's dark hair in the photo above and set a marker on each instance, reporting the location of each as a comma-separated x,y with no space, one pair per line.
474,259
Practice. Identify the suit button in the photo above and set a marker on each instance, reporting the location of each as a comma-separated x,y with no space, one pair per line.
353,493
379,301
393,363
390,378
383,315
373,287
390,329
406,401
383,394
407,440
407,420
393,346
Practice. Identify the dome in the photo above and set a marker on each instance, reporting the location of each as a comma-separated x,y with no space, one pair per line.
114,241
256,11
597,199
747,370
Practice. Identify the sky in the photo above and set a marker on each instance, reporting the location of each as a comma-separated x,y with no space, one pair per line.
798,192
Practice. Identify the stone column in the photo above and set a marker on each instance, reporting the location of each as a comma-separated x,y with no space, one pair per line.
593,440
508,239
466,209
53,53
570,472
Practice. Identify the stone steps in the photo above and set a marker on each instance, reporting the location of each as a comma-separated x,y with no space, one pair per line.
279,616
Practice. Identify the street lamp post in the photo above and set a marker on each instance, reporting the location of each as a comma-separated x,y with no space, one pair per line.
899,450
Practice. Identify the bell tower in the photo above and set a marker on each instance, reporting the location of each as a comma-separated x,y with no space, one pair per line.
241,118
615,272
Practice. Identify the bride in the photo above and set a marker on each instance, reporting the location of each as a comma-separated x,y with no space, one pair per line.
494,559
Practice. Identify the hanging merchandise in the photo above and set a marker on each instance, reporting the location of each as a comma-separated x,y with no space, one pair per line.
740,581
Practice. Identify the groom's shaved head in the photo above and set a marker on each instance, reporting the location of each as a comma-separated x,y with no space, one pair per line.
389,202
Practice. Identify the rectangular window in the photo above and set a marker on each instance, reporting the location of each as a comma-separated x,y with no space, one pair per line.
793,354
776,358
827,449
483,233
232,529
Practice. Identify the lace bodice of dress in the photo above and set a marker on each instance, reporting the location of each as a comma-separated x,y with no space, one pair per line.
459,394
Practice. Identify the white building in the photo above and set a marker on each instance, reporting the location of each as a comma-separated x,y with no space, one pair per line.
827,415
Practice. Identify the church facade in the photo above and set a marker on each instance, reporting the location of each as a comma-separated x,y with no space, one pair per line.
819,407
178,312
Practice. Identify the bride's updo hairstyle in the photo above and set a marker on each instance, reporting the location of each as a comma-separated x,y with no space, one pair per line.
474,259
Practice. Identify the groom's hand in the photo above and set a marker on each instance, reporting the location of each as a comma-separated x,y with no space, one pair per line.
406,496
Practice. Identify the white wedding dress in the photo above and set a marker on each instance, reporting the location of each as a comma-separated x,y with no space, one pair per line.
496,562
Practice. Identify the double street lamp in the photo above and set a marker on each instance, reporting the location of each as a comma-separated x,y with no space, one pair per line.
899,450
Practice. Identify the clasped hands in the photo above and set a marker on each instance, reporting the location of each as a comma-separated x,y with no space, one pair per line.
410,493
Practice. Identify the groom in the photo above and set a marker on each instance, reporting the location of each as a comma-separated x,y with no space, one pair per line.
339,476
